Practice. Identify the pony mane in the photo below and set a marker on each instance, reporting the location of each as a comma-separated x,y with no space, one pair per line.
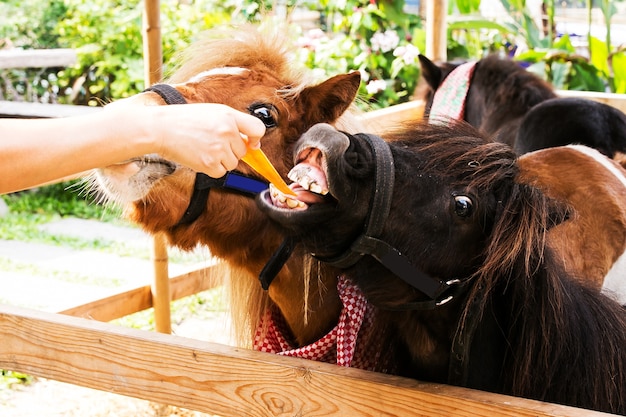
247,47
555,321
459,150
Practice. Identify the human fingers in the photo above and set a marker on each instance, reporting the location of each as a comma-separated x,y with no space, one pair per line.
252,128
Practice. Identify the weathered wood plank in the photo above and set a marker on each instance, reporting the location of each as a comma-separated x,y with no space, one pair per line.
37,58
228,381
398,113
140,298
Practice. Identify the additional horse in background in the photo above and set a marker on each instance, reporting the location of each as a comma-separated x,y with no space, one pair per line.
516,107
563,121
438,231
494,97
592,241
250,71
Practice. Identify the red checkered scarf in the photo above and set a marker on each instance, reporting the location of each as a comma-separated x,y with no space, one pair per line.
449,100
339,345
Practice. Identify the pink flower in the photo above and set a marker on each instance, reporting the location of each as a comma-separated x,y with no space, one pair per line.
312,39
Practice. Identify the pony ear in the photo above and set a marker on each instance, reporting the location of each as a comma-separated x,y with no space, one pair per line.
431,72
329,100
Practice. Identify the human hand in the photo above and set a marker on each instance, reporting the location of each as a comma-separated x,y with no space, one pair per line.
206,137
209,138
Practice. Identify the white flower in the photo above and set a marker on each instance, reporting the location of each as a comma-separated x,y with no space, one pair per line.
385,42
374,86
365,76
408,53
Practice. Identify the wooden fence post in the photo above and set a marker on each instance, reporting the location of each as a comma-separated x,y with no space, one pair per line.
436,29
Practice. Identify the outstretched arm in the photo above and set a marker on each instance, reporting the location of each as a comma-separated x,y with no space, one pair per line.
205,137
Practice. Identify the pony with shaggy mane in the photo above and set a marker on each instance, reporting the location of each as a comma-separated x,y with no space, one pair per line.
504,316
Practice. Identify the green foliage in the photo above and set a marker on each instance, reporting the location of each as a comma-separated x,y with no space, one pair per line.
377,39
565,69
618,66
10,379
554,58
107,35
62,199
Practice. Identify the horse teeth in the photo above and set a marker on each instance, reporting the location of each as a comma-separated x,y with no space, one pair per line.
291,203
317,189
298,173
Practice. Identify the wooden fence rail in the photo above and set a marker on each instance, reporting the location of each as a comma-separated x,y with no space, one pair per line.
229,381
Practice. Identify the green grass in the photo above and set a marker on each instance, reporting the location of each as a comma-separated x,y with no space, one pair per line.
202,305
29,210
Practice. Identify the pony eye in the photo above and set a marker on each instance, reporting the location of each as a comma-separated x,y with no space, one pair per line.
463,206
264,114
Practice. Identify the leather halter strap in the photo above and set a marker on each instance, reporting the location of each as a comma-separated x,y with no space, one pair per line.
168,93
368,243
233,180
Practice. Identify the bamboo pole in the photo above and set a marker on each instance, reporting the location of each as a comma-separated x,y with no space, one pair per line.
152,49
161,294
436,29
153,72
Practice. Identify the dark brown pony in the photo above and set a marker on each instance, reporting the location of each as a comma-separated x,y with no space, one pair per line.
251,71
440,234
517,107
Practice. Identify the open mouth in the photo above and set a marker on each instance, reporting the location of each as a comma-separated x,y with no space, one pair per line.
309,183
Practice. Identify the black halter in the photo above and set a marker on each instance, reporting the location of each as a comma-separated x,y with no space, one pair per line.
368,243
233,180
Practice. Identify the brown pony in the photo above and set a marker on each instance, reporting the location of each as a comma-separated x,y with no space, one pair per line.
251,71
592,242
516,107
441,235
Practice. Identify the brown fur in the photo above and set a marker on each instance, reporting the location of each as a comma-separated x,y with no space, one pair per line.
231,225
594,237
